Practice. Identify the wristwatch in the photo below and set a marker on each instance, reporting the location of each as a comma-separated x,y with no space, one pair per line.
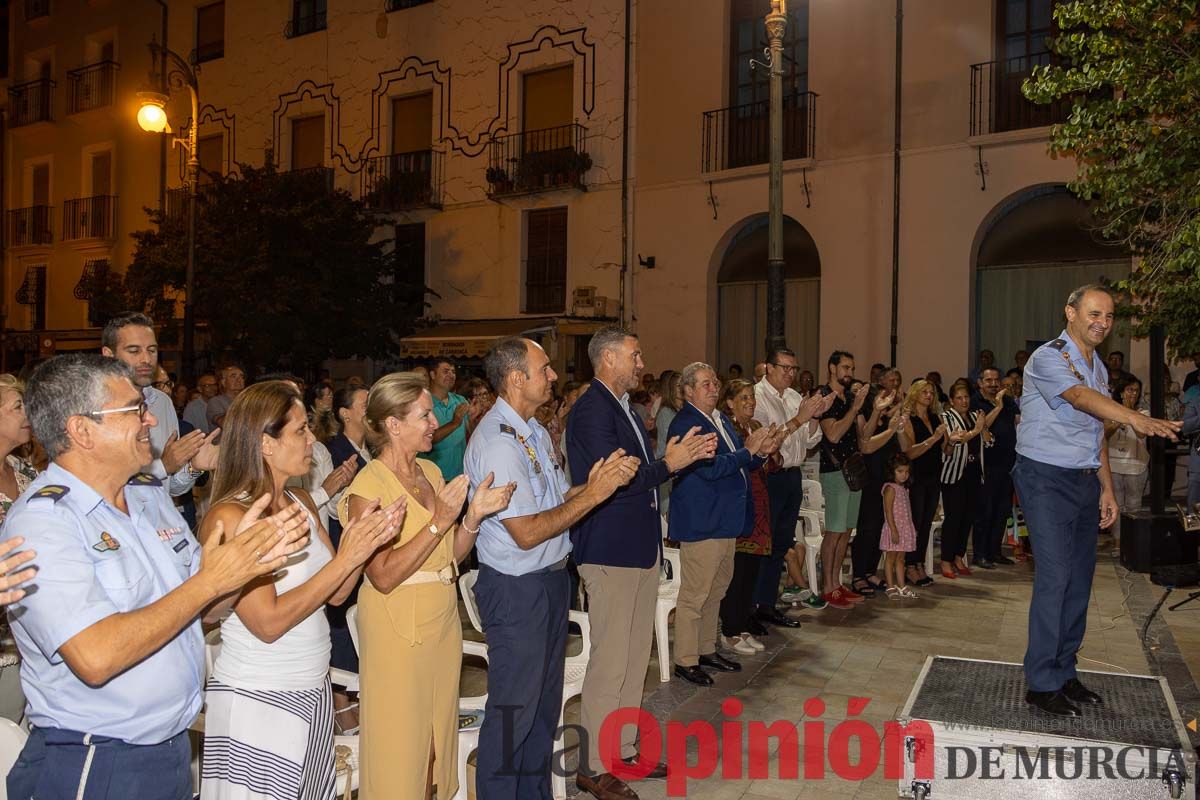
433,529
193,472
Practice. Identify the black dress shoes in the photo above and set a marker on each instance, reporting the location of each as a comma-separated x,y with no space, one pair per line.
756,628
1002,559
720,663
693,675
773,616
1055,703
984,563
1078,693
658,773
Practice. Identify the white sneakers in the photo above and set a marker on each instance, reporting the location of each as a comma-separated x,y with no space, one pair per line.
743,643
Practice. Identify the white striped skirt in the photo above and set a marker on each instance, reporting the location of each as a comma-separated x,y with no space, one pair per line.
267,745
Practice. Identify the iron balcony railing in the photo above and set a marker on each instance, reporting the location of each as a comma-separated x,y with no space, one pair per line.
740,136
31,102
37,8
403,180
537,161
997,103
92,86
89,217
310,23
29,226
177,200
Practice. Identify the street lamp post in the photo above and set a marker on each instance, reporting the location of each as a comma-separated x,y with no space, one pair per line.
152,117
776,22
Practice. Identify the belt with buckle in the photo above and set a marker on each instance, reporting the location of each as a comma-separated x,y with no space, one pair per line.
444,576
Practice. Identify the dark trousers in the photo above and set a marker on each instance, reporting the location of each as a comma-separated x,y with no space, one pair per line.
924,499
864,550
992,510
738,602
786,492
958,504
64,765
1062,510
525,621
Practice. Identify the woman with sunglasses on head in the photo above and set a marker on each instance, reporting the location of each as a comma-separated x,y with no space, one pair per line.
269,718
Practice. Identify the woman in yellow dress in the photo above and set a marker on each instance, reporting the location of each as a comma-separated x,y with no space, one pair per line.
409,632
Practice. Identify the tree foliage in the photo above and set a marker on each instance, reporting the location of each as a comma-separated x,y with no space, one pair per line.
288,272
1134,67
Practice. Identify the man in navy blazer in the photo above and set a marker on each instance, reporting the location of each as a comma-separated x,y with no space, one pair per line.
617,548
706,519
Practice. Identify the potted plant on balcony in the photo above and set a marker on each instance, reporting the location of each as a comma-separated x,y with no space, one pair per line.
499,179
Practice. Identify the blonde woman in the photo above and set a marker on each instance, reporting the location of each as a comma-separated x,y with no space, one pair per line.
269,720
921,441
410,637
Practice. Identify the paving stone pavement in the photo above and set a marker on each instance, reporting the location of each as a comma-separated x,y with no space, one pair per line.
877,649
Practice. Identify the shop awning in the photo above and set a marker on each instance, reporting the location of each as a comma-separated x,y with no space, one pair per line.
470,339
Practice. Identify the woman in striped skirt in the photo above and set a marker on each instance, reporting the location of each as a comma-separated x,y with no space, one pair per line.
961,477
268,729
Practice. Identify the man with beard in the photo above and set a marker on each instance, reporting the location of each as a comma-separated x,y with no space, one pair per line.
177,461
618,547
1066,491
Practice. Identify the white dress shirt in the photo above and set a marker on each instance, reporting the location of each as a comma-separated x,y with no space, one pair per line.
775,408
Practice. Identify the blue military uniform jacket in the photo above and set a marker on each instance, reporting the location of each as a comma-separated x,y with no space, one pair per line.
1052,431
95,561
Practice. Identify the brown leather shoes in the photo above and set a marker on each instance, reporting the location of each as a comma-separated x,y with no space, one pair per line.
657,774
605,787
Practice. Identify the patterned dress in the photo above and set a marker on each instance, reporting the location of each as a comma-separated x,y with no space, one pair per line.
902,513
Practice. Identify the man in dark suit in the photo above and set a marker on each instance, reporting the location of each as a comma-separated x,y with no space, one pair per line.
617,547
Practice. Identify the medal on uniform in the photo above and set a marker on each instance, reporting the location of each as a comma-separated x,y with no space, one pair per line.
106,543
166,534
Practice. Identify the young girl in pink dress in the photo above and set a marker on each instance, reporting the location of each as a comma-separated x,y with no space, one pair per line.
899,535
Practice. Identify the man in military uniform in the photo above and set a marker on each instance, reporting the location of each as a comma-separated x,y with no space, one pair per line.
113,654
1066,491
523,589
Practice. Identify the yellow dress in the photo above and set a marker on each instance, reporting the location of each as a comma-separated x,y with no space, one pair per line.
410,658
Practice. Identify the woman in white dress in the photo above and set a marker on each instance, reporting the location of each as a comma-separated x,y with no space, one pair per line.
269,719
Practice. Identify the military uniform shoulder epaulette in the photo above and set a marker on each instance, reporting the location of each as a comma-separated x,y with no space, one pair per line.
1057,344
53,492
509,429
144,479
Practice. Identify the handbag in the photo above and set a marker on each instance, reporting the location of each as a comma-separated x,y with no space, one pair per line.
854,470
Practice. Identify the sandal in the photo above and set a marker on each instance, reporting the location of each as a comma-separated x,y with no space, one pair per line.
893,593
353,731
909,593
863,587
876,584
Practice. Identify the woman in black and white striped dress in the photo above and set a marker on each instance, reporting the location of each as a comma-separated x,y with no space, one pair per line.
268,729
961,476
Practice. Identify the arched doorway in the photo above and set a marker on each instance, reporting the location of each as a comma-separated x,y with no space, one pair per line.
742,295
1032,251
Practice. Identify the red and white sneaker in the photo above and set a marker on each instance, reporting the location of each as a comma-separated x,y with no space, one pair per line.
835,599
850,594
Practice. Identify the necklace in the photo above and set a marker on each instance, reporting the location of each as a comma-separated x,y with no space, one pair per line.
408,483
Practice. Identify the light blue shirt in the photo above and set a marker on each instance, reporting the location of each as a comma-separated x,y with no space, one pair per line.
498,445
448,453
1053,431
94,562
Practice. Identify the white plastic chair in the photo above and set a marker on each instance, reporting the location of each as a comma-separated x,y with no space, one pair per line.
810,523
668,596
468,739
934,530
573,675
466,589
12,741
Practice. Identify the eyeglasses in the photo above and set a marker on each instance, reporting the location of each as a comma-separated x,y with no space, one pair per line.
786,367
163,385
141,409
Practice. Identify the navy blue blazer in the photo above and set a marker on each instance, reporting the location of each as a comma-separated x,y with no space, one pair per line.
626,529
710,499
340,448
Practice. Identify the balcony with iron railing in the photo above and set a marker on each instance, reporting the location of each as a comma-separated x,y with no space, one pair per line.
89,217
31,102
177,200
538,161
36,9
740,136
93,86
403,181
997,103
302,25
32,225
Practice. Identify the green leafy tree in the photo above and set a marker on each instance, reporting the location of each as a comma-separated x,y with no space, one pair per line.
288,271
1134,67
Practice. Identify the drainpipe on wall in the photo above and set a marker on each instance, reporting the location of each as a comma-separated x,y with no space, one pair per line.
162,139
625,167
896,185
